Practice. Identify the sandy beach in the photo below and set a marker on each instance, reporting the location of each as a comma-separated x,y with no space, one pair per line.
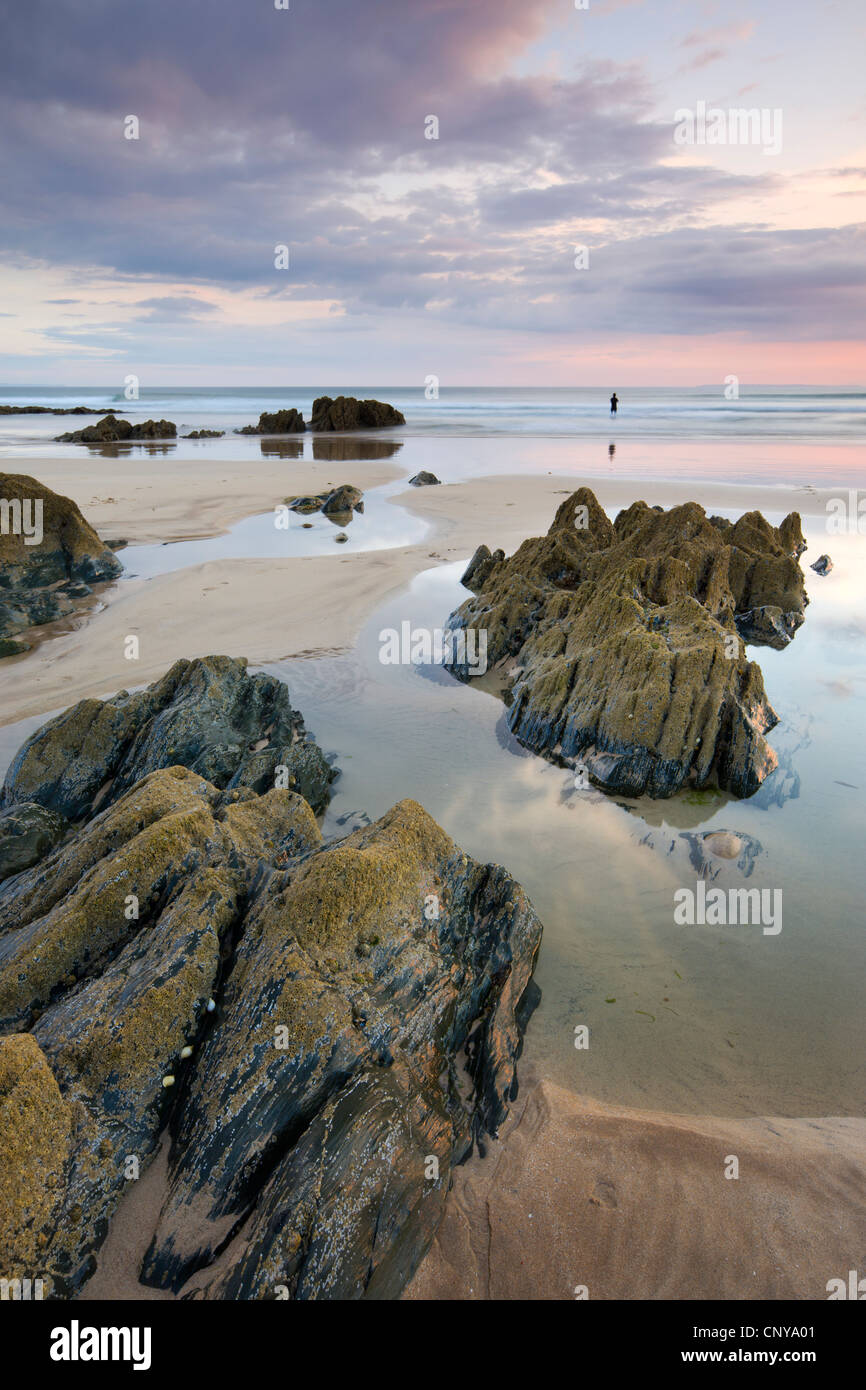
576,1194
269,610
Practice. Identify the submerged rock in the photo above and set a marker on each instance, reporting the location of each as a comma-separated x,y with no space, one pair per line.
208,715
204,434
110,430
348,413
623,641
48,556
278,422
325,1098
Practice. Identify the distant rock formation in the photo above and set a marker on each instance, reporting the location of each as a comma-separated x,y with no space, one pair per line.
280,422
624,641
42,573
348,413
204,434
50,410
110,430
324,1028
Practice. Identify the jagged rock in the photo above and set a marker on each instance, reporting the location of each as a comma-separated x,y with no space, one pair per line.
280,422
340,502
208,715
348,413
204,434
380,961
480,566
37,581
111,430
344,499
27,832
622,641
424,479
822,565
112,994
340,1029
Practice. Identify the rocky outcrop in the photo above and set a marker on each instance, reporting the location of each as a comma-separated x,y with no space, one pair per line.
624,641
279,422
324,1028
110,430
204,434
348,413
208,715
49,556
424,479
338,504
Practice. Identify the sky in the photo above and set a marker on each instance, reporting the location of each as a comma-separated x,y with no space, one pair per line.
559,231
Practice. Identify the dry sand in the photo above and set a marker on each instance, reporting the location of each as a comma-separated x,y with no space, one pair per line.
628,1204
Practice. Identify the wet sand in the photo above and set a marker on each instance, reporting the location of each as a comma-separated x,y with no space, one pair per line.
582,1200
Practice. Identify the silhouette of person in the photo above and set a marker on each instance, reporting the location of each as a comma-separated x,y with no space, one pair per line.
611,450
613,403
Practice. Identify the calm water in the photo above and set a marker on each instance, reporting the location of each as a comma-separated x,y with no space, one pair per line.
791,412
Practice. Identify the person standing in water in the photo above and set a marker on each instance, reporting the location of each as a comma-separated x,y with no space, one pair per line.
613,404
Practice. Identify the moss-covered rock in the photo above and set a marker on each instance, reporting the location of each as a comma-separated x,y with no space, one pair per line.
27,832
49,555
348,413
375,962
625,641
208,715
110,430
369,997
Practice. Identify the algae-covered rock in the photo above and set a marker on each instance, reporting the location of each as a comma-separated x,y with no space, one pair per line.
27,832
361,976
348,413
36,1141
208,715
110,951
110,430
370,996
624,641
277,422
48,556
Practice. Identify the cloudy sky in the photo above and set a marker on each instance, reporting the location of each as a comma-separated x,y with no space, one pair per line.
306,127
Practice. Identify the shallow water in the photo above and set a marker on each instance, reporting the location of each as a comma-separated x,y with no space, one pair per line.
717,1020
720,1020
379,527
